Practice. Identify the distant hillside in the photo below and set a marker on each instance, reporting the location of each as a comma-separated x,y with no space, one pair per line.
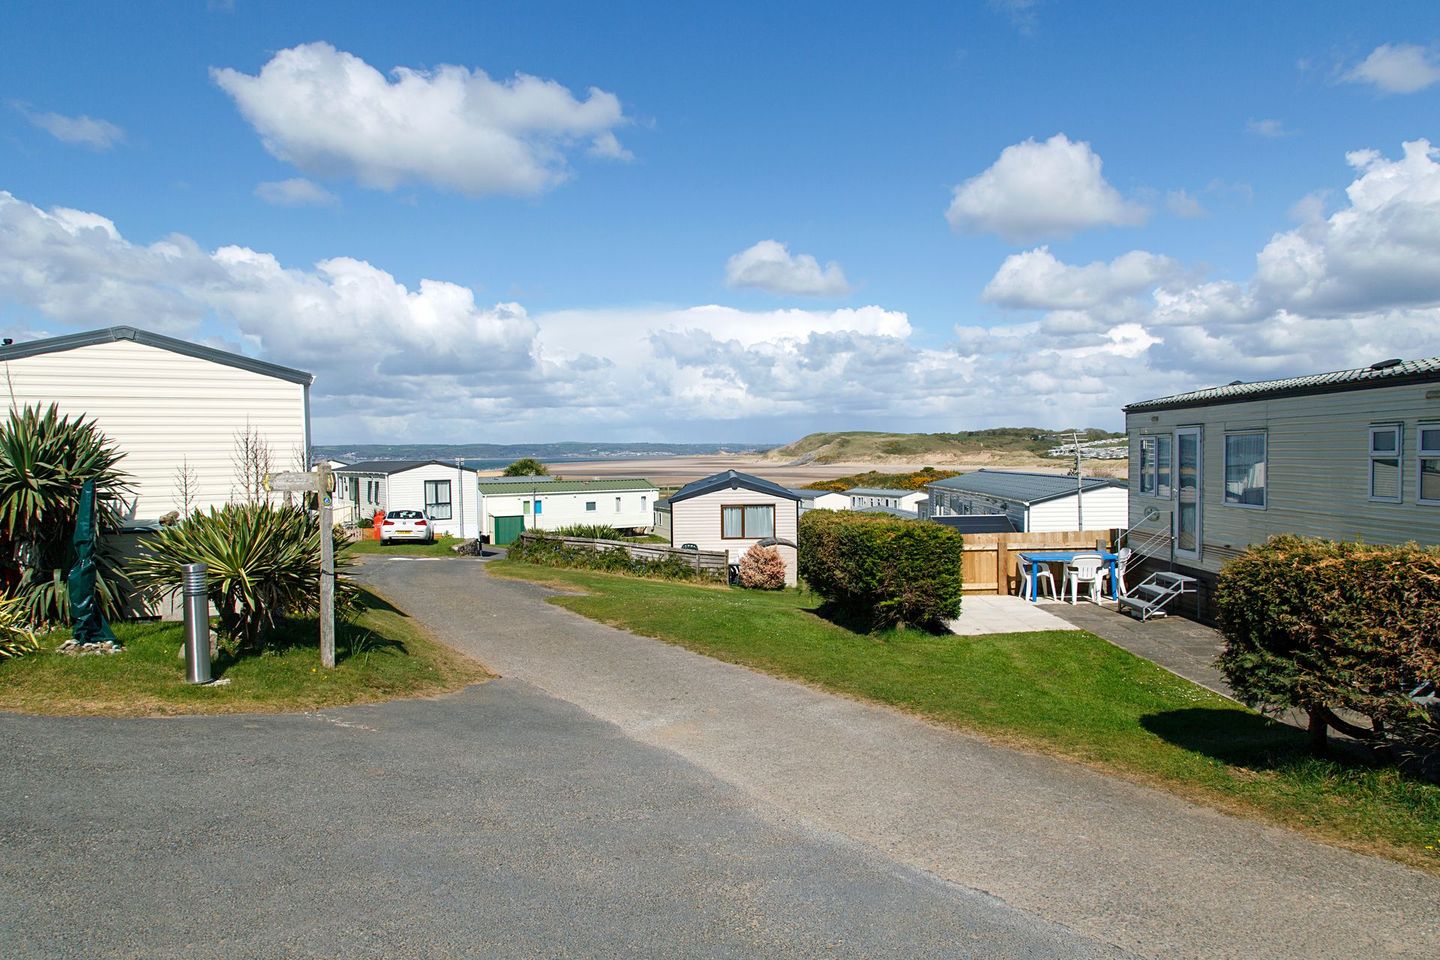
999,445
885,481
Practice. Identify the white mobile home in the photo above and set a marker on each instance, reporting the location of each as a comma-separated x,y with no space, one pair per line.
509,505
1353,454
1034,502
732,511
172,407
907,500
440,489
821,500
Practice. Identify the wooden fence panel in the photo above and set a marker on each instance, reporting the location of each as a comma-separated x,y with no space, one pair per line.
989,563
715,563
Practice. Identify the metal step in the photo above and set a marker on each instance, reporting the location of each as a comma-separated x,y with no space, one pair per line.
1144,608
1170,578
1150,590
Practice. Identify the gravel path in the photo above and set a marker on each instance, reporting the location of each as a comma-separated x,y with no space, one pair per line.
1118,862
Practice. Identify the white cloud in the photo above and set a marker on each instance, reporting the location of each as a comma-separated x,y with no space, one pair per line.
295,192
1184,204
1335,291
331,114
1038,190
1269,129
1396,68
769,265
98,135
1036,280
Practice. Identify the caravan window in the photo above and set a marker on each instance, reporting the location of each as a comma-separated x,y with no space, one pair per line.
1428,483
437,499
1245,469
1155,466
750,522
1385,446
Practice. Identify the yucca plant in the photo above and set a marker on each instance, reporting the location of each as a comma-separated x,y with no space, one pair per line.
262,563
44,461
15,639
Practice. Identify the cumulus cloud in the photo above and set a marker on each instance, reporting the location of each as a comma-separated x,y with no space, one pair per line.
1036,280
295,192
331,114
1269,129
769,265
1185,205
98,135
1038,190
1396,68
1341,289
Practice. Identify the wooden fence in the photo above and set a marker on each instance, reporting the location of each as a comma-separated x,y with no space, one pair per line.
714,563
989,562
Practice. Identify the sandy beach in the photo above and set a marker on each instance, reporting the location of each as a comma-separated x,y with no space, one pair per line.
676,471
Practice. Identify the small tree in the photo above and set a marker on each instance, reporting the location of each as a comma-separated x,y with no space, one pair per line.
186,487
44,461
253,462
762,568
526,467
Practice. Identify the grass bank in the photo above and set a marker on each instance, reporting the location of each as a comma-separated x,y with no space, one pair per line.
383,655
1067,693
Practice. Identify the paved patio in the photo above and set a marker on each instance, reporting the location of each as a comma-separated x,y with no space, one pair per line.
980,614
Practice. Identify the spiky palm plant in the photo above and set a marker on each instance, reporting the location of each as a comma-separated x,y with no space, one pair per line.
44,461
15,639
262,563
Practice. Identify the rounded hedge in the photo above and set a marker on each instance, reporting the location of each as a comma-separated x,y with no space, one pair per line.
882,569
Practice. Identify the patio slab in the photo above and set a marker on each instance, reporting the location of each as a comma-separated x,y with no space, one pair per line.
981,614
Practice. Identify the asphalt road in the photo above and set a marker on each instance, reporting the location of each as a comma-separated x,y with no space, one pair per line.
1108,859
498,822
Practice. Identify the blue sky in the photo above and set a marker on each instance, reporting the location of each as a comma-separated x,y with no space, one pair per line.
1036,212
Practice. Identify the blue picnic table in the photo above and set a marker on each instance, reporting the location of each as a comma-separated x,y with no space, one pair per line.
1032,558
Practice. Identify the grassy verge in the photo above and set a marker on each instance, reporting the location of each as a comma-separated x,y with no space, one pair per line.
1062,692
442,547
383,655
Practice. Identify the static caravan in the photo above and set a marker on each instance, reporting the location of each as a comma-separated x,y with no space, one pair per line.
1033,502
438,488
907,500
172,407
732,511
1348,455
509,505
821,500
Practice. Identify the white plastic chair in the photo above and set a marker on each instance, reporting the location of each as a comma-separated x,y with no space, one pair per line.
1083,568
1122,563
1042,575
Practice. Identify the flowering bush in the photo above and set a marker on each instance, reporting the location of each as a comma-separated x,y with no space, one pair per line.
762,568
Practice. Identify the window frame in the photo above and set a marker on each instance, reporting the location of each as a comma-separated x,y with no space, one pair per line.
1150,467
1398,429
592,506
448,502
1265,462
744,534
1423,453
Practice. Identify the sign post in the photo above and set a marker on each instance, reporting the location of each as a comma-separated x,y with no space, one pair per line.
322,484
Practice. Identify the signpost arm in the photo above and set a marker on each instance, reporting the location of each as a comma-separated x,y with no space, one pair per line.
327,567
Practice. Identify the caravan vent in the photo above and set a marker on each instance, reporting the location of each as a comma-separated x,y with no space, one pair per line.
1234,383
1386,364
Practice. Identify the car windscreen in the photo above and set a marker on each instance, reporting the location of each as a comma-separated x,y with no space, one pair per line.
405,515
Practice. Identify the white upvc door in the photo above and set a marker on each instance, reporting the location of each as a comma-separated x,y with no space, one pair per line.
1189,505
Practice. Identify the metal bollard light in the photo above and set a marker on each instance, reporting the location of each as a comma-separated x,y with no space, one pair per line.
197,624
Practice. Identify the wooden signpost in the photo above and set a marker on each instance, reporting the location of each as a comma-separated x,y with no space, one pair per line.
321,482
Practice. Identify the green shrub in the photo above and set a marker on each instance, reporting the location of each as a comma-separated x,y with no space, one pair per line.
1327,626
549,551
15,639
526,467
366,523
881,569
44,461
262,563
589,531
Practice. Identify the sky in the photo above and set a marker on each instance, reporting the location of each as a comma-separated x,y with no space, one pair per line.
510,222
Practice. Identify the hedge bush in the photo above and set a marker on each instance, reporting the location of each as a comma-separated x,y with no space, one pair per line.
549,551
1328,626
882,569
590,531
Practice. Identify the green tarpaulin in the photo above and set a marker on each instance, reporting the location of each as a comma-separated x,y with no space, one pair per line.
85,614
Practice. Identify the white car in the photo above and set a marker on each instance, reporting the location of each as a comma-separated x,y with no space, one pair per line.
406,525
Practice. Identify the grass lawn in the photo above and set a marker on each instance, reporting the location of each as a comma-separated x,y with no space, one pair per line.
442,547
1062,692
383,655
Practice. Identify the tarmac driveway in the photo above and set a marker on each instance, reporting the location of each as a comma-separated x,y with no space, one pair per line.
1109,859
498,822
